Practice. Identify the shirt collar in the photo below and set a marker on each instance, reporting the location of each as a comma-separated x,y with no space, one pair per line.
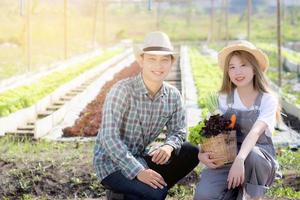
139,85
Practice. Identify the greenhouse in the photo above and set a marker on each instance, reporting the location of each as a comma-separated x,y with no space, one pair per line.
92,89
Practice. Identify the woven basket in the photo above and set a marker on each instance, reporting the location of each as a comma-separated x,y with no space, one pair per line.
223,146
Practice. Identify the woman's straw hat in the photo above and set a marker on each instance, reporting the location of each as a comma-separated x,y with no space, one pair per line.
260,56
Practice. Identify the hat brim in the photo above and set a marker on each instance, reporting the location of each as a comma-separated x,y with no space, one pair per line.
260,56
159,52
138,52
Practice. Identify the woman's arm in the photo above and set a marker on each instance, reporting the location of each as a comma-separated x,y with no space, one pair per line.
250,140
264,123
176,127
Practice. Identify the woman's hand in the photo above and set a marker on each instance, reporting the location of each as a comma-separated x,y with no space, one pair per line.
151,178
162,155
209,159
236,174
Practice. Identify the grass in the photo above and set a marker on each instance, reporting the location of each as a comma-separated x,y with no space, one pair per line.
182,192
71,163
49,170
289,162
29,151
61,166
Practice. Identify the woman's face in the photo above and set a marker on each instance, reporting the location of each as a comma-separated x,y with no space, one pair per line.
240,72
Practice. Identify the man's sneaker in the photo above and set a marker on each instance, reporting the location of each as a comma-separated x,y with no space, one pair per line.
111,195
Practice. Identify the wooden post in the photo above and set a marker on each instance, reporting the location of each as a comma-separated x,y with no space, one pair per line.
21,7
279,43
28,35
212,16
283,11
223,33
103,12
65,29
249,19
220,22
94,39
188,14
157,15
226,21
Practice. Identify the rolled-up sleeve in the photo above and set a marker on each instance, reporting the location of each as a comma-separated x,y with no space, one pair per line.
177,125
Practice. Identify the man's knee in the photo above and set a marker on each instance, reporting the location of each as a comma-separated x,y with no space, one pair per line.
190,152
156,194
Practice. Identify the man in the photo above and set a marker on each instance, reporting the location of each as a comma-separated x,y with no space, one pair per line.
135,112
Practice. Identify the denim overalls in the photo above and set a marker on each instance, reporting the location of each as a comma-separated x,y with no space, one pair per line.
260,164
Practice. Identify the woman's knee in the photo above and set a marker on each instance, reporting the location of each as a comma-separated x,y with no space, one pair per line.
251,158
258,169
257,160
202,193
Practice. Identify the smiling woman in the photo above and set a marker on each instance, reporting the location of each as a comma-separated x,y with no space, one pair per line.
244,93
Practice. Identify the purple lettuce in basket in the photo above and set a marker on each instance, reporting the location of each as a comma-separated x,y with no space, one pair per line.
215,125
214,122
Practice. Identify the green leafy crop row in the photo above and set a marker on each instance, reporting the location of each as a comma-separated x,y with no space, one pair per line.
25,96
206,73
207,76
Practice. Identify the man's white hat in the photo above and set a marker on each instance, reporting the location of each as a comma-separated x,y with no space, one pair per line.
156,43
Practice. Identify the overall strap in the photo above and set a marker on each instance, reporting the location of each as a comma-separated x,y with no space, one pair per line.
258,101
230,100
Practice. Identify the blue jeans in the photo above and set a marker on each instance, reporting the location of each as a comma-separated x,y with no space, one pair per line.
179,166
133,189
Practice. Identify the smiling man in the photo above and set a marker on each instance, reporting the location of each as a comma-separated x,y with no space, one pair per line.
135,112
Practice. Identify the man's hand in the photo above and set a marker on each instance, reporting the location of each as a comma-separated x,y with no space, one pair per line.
152,178
162,155
236,174
208,159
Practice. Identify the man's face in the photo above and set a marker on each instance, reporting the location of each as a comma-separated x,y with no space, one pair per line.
156,67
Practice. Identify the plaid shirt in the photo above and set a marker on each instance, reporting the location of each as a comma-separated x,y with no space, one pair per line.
131,121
